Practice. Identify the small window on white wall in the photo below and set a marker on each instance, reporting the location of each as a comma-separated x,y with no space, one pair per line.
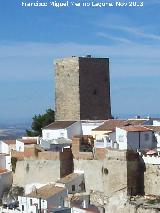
121,138
62,135
47,135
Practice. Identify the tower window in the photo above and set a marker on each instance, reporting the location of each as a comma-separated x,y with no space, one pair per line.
73,188
94,92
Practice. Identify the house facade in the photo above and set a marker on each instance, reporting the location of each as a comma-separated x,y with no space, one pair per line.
22,143
42,199
7,145
62,129
134,138
74,183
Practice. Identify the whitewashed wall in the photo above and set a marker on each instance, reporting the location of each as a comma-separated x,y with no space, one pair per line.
5,162
26,202
68,133
151,160
19,146
48,134
88,126
121,138
156,123
56,200
4,148
74,130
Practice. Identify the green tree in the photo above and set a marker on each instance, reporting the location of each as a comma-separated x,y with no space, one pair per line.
40,121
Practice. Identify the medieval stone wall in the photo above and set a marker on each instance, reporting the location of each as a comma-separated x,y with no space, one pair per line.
94,88
67,89
82,88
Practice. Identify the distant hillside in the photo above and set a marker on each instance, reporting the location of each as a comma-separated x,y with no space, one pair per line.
12,131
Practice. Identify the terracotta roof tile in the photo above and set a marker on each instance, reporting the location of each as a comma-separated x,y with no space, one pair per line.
154,128
9,142
111,124
135,128
28,141
59,125
137,121
46,191
3,170
69,178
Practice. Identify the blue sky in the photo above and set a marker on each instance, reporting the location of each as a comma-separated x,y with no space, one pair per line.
31,38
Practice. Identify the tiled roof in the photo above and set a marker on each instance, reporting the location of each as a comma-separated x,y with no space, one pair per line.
59,125
46,191
135,128
137,121
69,178
28,141
3,170
154,128
111,124
10,142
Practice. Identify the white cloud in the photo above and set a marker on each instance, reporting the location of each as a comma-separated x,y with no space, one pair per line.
137,32
113,38
35,60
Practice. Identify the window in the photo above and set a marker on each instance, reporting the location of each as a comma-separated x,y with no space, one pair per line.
146,137
94,92
47,135
30,202
62,135
73,188
22,207
121,138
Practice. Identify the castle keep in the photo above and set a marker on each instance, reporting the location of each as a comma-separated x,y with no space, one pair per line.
82,88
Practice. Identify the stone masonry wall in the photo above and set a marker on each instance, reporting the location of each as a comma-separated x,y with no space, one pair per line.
152,179
92,173
82,88
94,88
67,89
36,171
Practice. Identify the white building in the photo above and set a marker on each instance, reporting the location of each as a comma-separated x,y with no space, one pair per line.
88,125
134,137
21,143
5,161
44,198
56,145
7,145
62,129
74,183
105,135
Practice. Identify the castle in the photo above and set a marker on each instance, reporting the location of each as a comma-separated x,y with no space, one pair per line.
82,88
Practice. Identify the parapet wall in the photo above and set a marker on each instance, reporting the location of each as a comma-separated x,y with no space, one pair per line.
36,171
93,173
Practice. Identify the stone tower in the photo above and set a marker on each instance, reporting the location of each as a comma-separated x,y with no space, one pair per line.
82,88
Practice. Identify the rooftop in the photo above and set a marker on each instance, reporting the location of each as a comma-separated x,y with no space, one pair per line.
138,121
28,141
154,128
135,128
59,125
10,142
69,178
3,170
46,191
61,141
111,124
